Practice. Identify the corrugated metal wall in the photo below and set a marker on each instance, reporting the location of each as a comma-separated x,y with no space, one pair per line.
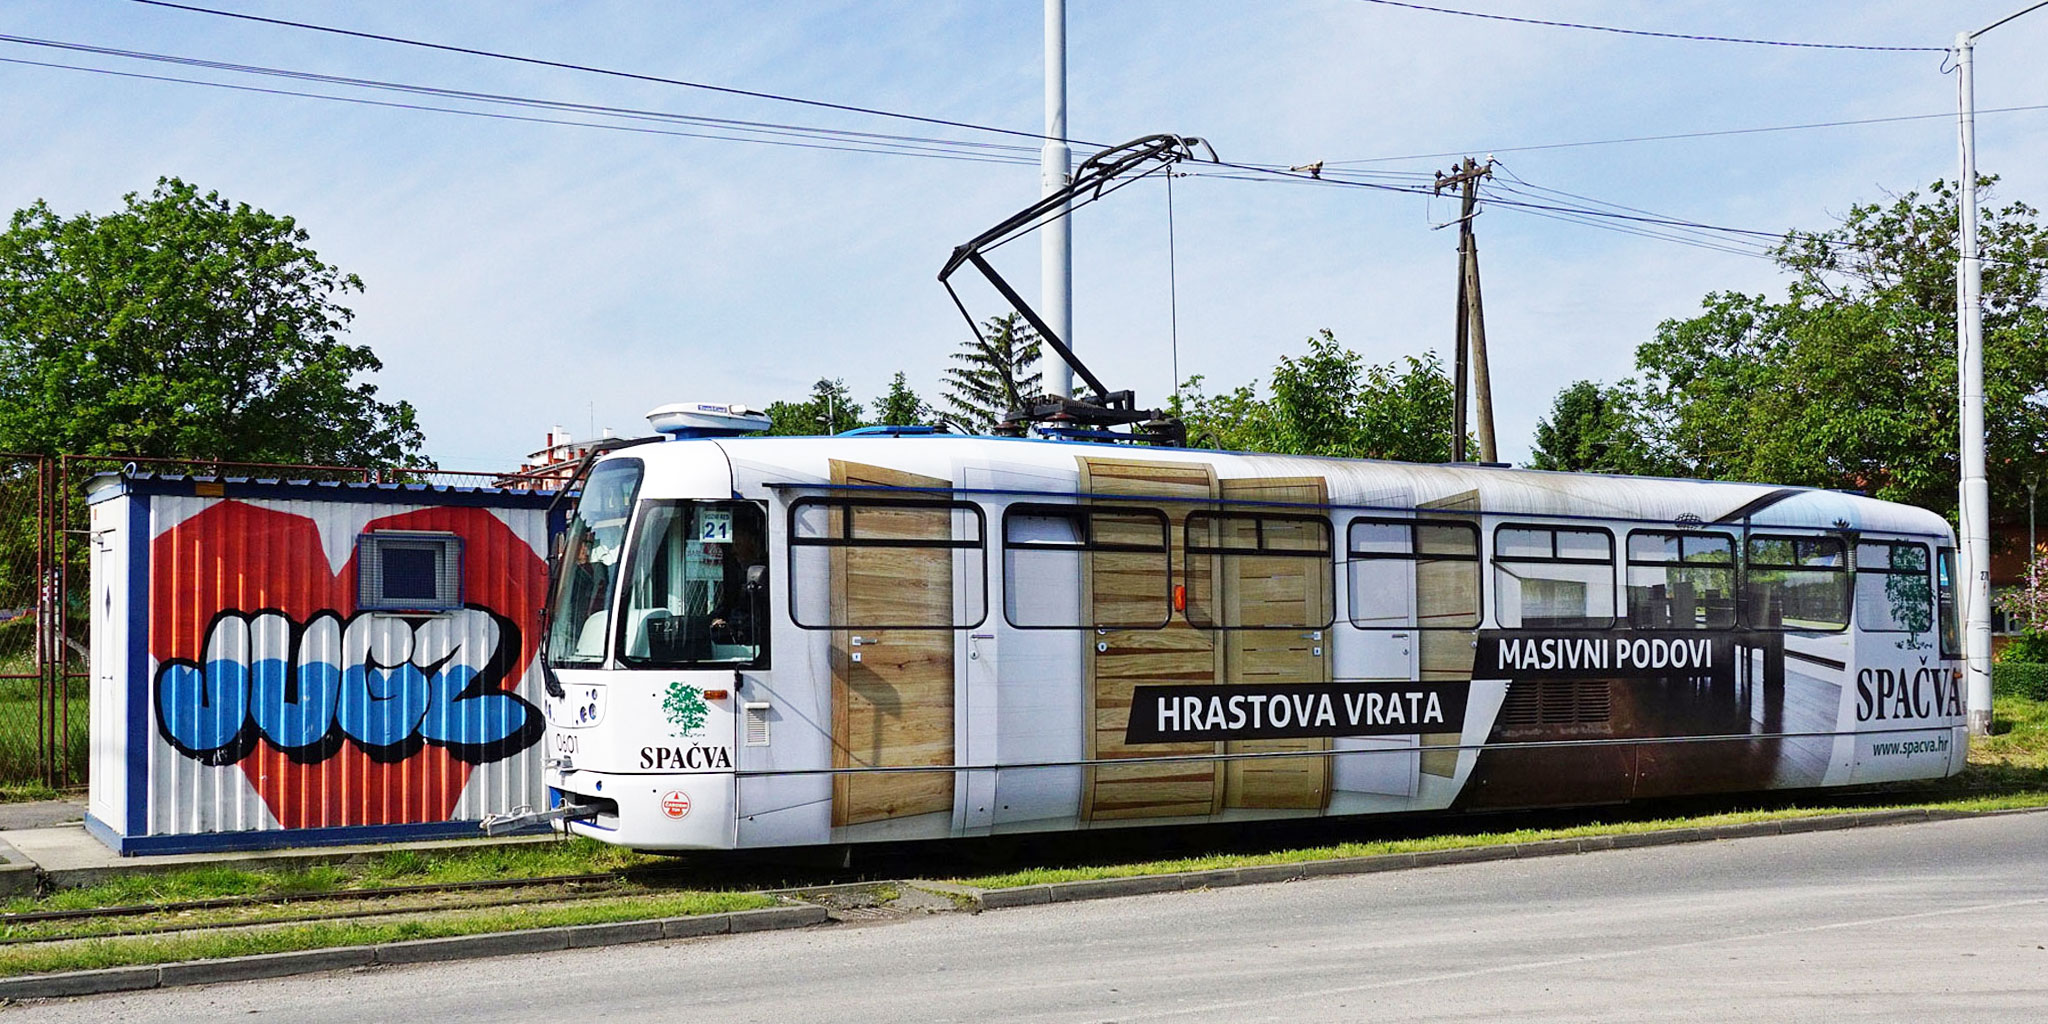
338,717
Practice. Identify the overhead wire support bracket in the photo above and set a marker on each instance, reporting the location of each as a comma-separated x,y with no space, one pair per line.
1092,180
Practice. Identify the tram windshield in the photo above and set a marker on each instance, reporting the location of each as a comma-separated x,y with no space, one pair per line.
697,586
581,616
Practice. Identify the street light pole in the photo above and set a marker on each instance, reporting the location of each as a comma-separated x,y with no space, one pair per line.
1975,494
1055,240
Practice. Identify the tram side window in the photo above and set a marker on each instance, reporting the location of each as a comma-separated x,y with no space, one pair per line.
1945,596
1129,567
887,563
1796,583
1548,577
697,586
1258,570
1679,580
1894,591
1413,574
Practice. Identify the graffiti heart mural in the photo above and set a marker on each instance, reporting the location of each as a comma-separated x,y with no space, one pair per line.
339,716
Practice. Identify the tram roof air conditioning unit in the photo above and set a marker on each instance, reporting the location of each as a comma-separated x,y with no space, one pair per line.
684,420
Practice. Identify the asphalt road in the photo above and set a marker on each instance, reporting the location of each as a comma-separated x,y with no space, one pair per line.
1930,922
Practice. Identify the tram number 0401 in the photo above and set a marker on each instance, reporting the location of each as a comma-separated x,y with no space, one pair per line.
565,743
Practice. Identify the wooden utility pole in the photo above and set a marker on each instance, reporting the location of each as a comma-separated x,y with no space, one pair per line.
1471,334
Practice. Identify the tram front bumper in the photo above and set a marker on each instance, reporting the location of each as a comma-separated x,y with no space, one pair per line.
681,811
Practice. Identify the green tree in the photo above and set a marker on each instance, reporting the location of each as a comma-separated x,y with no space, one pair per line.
1594,429
830,409
185,326
1330,401
900,406
997,371
1851,380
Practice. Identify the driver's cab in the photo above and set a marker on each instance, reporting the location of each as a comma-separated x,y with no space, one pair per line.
659,601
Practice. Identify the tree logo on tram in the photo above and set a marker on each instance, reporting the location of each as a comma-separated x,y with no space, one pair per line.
684,705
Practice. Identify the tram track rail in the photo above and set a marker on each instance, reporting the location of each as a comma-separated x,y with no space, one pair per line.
610,890
231,902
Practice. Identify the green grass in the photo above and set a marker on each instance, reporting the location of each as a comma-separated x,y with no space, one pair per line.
86,954
19,740
400,867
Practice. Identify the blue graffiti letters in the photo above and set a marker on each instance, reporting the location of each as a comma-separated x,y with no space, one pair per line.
384,682
292,700
205,708
383,694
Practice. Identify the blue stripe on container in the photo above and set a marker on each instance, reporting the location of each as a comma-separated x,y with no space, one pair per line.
139,704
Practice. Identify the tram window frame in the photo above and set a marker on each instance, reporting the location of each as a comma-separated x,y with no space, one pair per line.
1947,610
796,539
1750,568
1353,555
1083,517
1925,574
639,547
1554,529
1221,551
571,566
1684,560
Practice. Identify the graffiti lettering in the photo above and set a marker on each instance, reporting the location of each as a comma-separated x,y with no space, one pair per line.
385,683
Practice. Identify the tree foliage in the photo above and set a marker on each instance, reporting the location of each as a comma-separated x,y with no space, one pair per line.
185,326
995,372
830,409
1851,380
1595,429
900,406
1330,401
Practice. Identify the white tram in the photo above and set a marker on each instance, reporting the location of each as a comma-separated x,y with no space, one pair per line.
783,641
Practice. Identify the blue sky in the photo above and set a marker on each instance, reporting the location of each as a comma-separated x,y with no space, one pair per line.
523,275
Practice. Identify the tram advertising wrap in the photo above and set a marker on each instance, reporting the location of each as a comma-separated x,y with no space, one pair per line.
896,638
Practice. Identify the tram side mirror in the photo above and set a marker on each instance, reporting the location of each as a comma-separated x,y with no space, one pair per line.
757,576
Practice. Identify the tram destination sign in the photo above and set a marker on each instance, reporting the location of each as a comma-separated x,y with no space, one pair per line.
1203,714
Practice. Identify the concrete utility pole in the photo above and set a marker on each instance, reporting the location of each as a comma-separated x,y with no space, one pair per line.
1975,494
1055,240
1471,334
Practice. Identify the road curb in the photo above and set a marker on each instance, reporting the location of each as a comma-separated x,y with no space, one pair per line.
416,951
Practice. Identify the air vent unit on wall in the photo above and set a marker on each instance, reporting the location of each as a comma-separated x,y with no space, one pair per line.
408,570
756,724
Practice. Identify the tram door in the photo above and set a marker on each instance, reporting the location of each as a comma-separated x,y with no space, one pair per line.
892,689
1116,660
1448,599
1278,602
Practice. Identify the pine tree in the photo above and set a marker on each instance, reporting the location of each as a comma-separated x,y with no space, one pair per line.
998,371
900,407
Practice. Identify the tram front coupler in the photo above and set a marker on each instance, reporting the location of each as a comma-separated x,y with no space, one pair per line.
524,819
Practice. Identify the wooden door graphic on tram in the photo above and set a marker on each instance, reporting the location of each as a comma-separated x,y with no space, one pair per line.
1273,587
892,689
1117,660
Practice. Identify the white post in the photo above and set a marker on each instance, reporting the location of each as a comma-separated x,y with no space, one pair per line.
1975,496
1055,240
